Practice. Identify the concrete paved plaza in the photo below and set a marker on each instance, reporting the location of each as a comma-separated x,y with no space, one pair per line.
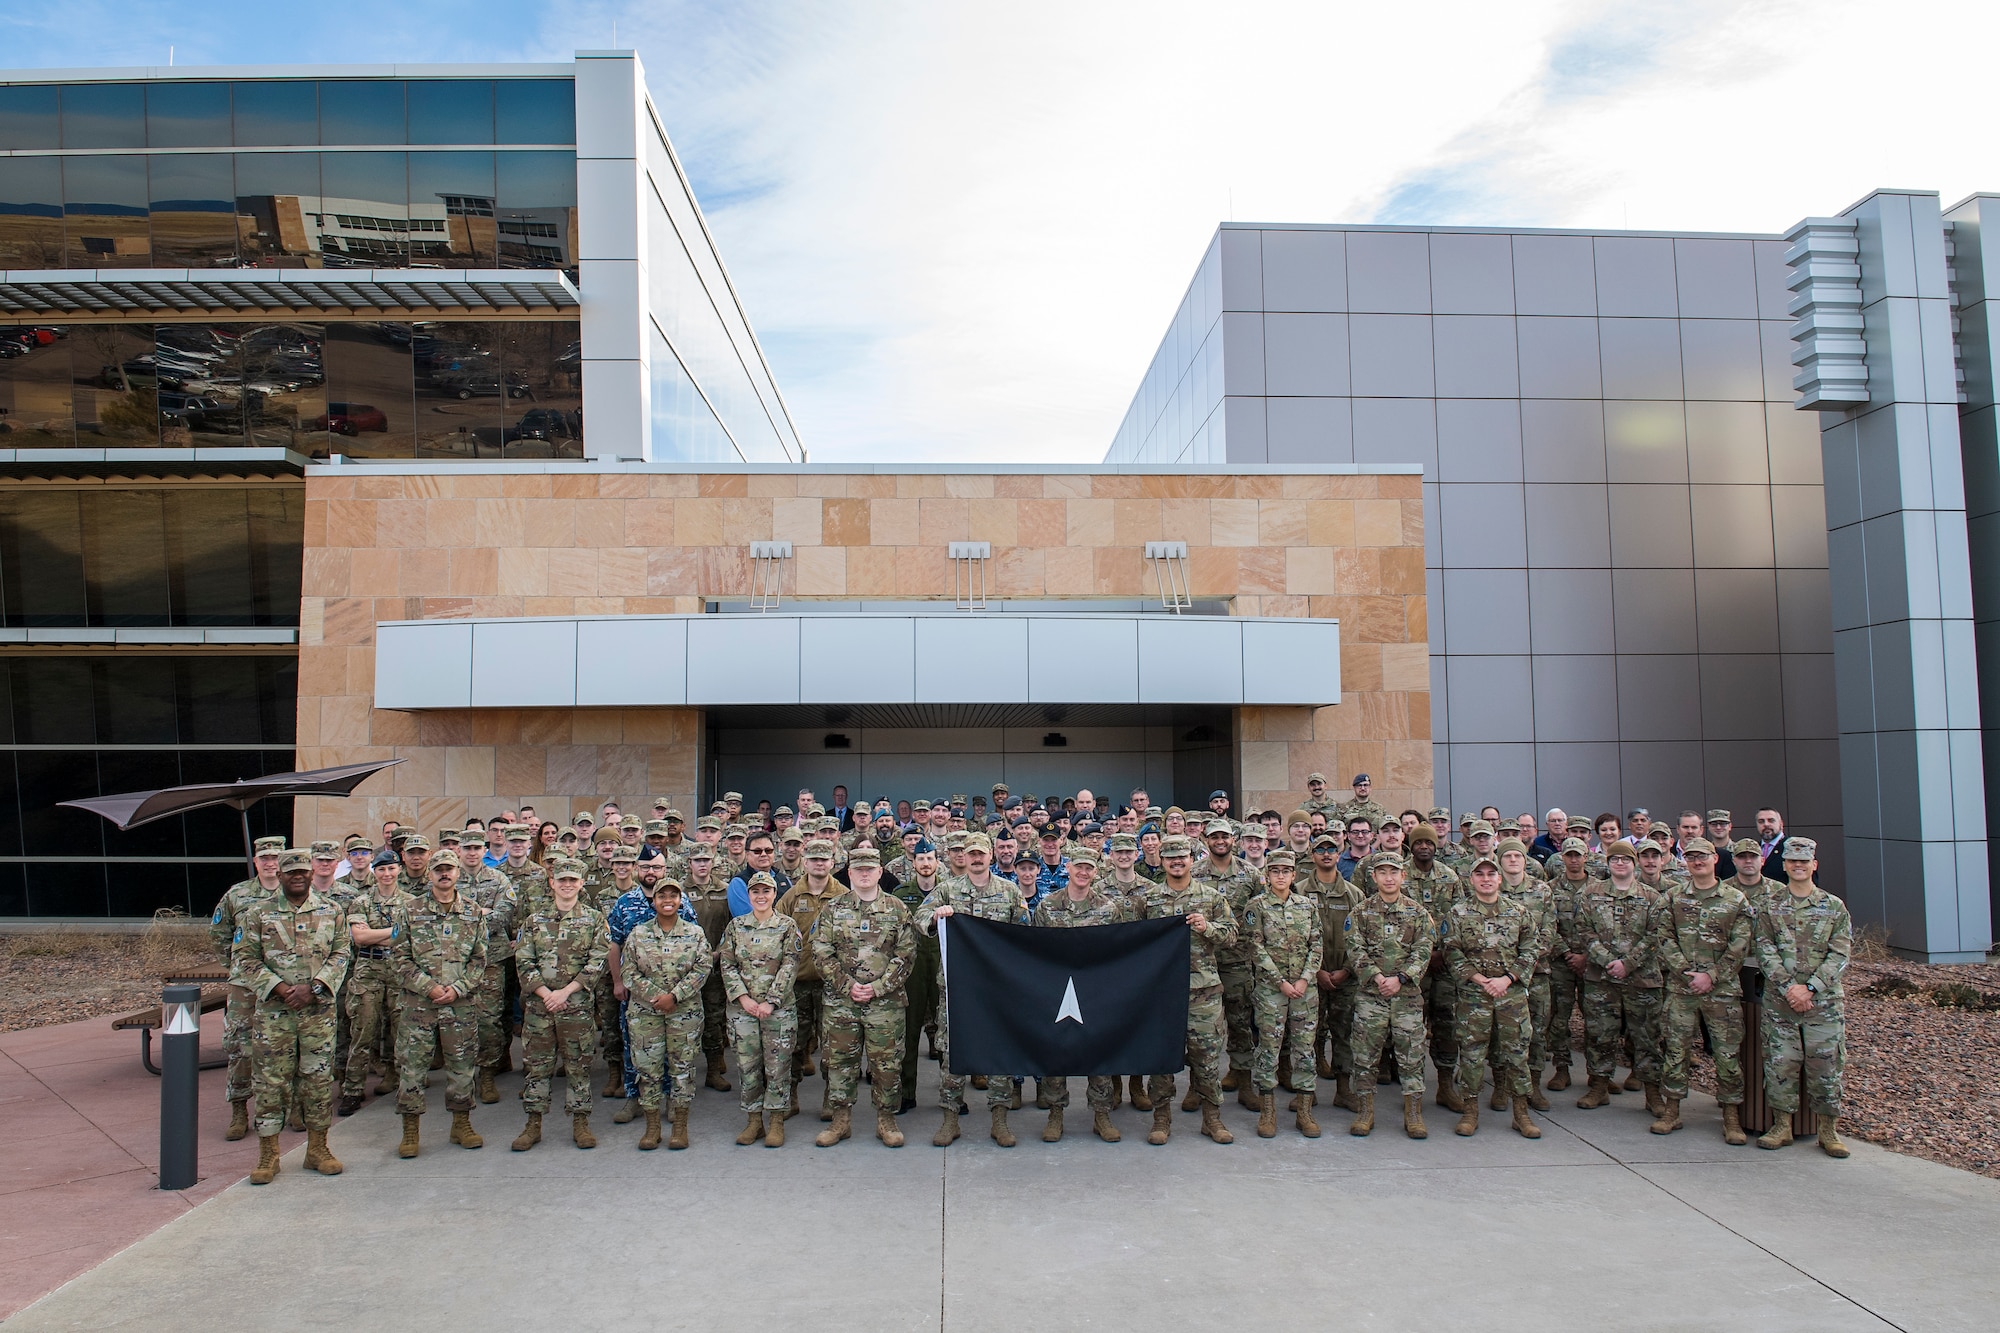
1598,1222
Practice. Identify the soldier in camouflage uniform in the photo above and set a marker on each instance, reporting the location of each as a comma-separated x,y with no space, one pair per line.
864,945
326,860
239,1015
1616,923
1390,938
983,894
1747,858
1437,886
1082,903
373,996
1360,806
808,897
291,950
560,955
1566,966
496,896
1119,877
1339,988
1803,942
439,949
759,959
1318,799
912,888
1284,931
663,964
1488,940
1231,877
1212,926
709,891
1705,932
1535,895
531,881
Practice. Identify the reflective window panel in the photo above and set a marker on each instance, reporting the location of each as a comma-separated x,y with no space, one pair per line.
369,390
453,192
36,395
284,386
535,111
544,408
28,117
451,111
116,385
104,115
187,115
276,113
362,111
193,210
362,219
536,209
31,212
277,200
105,207
462,389
200,384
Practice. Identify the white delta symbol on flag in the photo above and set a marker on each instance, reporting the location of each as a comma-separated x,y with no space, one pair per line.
1070,1009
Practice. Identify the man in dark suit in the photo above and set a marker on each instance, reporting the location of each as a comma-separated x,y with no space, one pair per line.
1771,837
841,810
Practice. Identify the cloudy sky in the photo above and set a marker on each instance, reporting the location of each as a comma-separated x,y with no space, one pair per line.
960,229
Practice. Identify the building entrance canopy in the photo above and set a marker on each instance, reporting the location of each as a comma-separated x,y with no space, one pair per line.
805,657
63,295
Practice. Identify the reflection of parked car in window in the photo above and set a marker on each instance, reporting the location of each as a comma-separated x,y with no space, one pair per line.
348,419
543,423
9,349
483,386
200,413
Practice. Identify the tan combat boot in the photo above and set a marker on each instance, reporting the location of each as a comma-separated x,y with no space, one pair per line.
1100,1121
1307,1125
1211,1123
1780,1132
1052,1132
1413,1117
842,1126
1343,1093
488,1094
1447,1092
774,1130
239,1121
295,1119
1632,1083
1829,1137
979,1082
1597,1095
579,1130
805,1066
1140,1101
614,1080
1655,1101
1247,1095
1014,1100
886,1129
753,1130
1468,1120
408,1147
462,1132
1324,1065
319,1157
1535,1097
1498,1102
1267,1117
1163,1124
651,1138
1523,1124
1364,1119
1191,1102
1232,1080
627,1112
530,1134
716,1078
947,1133
1669,1118
1732,1126
1001,1134
1559,1081
792,1106
266,1169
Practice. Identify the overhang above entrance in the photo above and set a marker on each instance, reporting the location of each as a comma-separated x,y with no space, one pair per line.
802,657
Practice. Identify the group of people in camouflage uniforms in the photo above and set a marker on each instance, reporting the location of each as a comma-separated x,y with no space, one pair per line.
1337,943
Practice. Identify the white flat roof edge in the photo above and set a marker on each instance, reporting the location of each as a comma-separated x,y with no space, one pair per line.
1613,232
126,74
805,611
528,467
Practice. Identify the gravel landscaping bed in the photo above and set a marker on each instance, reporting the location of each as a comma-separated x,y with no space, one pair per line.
60,976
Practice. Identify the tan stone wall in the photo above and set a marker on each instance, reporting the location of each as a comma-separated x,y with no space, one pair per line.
398,547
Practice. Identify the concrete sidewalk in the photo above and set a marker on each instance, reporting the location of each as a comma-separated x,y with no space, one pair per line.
1597,1221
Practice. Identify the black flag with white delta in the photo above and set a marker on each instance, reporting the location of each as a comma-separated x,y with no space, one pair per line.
1030,1001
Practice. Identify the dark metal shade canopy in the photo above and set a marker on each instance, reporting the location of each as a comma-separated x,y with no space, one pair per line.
133,808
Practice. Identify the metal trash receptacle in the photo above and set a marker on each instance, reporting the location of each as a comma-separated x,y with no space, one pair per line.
1757,1115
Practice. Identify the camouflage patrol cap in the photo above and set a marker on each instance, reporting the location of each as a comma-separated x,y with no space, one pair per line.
1479,826
791,835
1325,840
569,831
268,846
1424,833
416,842
668,884
563,867
1469,817
674,816
1651,846
718,807
1316,777
978,842
734,831
1375,861
1175,844
1506,845
623,855
781,810
1575,845
1000,789
732,798
662,802
1154,812
1702,845
819,848
1623,847
1479,861
446,857
1508,826
1742,845
582,817
763,879
355,842
1801,849
1083,856
658,826
1437,812
864,855
513,831
631,821
472,837
1717,817
955,840
1281,857
920,807
1252,832
707,822
1122,842
1215,826
294,858
327,848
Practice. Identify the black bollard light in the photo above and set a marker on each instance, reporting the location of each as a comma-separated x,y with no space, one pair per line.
180,1089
